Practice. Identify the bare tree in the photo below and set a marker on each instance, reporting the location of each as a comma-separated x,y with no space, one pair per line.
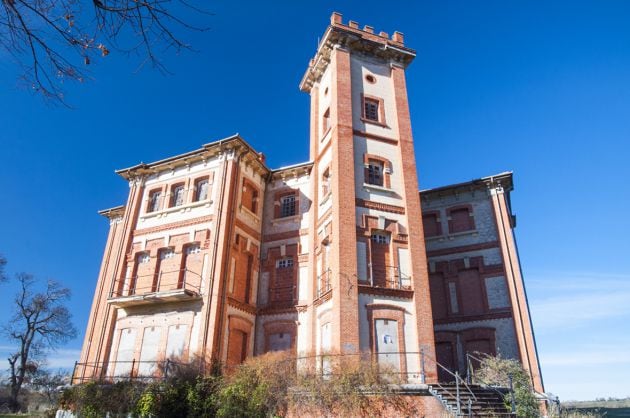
40,322
3,262
54,40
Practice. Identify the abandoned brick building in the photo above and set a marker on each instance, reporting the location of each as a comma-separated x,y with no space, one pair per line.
216,254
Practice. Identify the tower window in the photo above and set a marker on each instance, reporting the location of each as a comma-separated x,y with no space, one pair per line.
371,109
284,263
380,238
326,121
177,195
326,182
154,201
287,206
375,173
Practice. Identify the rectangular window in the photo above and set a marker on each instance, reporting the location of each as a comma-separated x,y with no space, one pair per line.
249,198
177,195
452,295
326,182
143,258
380,239
166,254
432,226
371,109
154,201
284,263
287,206
193,249
375,173
201,190
326,121
461,220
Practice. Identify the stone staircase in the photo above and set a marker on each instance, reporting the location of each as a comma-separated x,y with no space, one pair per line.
486,402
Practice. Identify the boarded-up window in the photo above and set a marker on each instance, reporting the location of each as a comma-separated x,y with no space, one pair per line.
237,347
461,220
149,353
125,355
249,198
432,226
176,341
279,341
362,270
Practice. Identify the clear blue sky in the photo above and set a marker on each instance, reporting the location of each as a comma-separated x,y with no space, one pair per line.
541,88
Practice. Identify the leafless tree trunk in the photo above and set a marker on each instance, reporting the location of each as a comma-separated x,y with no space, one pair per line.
54,40
40,321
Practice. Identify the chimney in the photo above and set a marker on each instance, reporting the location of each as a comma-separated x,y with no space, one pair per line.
398,37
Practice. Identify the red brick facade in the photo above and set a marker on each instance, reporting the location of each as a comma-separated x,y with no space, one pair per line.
226,259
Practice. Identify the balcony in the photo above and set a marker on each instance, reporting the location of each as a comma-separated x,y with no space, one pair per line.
387,280
166,286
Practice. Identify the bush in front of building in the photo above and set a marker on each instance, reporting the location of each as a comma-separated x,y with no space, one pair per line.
497,371
273,384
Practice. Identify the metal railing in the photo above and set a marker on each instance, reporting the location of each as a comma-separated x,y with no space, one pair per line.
390,277
473,379
324,282
394,368
460,384
113,371
163,281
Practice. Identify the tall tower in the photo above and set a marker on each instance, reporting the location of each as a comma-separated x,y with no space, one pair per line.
370,280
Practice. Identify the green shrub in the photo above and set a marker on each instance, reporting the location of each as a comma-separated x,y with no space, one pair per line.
497,371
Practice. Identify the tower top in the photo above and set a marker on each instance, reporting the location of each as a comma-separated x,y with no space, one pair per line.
364,41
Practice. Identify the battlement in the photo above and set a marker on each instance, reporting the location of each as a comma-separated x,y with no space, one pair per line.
360,41
336,21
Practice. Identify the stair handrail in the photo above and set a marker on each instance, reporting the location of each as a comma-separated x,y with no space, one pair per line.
470,374
458,381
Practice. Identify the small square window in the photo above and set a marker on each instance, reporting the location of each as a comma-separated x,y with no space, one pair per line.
287,206
284,263
380,238
193,249
143,258
166,254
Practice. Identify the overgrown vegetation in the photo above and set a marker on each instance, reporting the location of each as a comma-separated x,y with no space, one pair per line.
269,385
498,371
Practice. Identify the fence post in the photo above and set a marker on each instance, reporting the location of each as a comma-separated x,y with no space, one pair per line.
459,405
512,400
166,368
133,366
470,407
422,372
73,372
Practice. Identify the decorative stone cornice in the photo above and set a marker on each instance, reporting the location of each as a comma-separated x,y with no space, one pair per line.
230,147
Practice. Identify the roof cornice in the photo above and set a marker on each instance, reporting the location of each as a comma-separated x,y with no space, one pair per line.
207,151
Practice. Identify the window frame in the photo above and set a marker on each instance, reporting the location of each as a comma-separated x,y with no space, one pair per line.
288,205
175,194
379,110
154,205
